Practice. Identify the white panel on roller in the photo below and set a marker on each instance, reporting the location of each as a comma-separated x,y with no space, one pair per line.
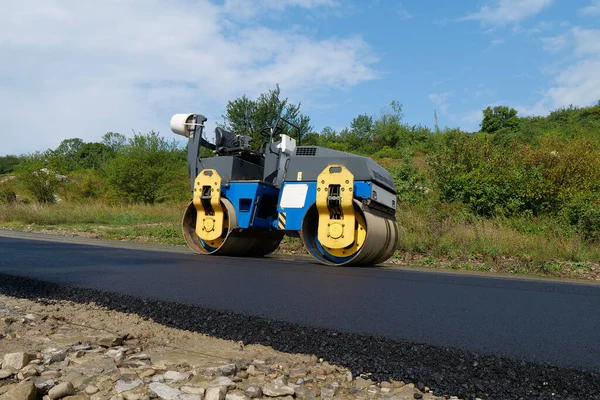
294,196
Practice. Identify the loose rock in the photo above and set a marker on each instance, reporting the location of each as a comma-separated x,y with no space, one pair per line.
27,372
23,391
163,391
276,390
44,386
223,381
116,354
193,390
254,392
50,374
61,390
361,383
175,376
187,396
122,386
222,370
91,389
6,373
327,392
110,341
52,355
215,393
16,361
81,347
141,396
232,396
147,373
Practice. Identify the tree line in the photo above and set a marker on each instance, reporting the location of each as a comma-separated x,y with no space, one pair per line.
513,166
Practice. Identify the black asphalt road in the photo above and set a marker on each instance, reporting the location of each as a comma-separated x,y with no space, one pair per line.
534,320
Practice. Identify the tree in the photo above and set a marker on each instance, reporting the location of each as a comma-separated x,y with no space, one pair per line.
41,182
360,133
8,163
500,118
143,169
115,141
63,158
93,155
389,129
248,117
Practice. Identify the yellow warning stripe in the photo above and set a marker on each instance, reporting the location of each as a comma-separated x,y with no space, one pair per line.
281,221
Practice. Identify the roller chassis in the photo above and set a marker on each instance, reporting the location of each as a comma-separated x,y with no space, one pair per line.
341,205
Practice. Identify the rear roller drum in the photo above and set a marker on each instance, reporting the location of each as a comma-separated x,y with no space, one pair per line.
232,242
375,240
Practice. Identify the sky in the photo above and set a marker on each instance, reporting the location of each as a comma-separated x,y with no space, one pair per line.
81,68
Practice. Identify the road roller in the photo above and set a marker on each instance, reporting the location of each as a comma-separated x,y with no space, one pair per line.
244,201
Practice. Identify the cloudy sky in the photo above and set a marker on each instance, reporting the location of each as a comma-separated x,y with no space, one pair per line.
80,68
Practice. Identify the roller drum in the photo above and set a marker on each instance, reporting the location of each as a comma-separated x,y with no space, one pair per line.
379,244
233,242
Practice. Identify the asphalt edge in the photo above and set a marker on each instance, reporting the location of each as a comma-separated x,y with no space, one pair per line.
446,371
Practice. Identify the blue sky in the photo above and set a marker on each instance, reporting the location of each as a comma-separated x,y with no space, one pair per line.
77,68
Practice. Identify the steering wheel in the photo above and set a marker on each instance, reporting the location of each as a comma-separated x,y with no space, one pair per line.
266,132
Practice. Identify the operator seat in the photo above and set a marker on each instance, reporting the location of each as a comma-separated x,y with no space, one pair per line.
225,140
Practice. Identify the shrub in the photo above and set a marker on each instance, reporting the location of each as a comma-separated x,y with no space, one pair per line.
85,185
410,182
8,194
513,178
41,182
145,167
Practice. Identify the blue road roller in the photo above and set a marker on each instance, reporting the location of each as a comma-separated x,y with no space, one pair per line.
342,206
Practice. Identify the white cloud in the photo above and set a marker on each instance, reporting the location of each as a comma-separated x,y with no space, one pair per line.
403,13
540,27
591,10
440,100
579,83
555,44
587,41
245,8
502,12
470,121
485,93
80,69
497,42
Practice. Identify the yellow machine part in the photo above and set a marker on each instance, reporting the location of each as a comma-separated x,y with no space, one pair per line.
233,241
339,230
376,239
210,220
336,229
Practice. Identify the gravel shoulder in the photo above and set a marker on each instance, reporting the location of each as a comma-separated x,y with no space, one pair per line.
61,349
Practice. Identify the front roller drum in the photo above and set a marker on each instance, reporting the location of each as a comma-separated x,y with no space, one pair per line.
232,241
375,239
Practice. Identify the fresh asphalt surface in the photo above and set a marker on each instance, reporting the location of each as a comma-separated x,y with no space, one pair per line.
534,320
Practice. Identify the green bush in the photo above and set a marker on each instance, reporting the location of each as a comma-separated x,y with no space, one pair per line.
41,182
512,178
8,163
143,170
8,194
583,212
410,182
85,185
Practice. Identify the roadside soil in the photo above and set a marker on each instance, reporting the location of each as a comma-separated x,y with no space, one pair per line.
61,349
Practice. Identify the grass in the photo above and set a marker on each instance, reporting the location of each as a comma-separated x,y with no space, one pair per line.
434,236
144,223
445,236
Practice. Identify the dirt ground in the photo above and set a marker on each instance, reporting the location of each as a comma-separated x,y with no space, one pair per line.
82,351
